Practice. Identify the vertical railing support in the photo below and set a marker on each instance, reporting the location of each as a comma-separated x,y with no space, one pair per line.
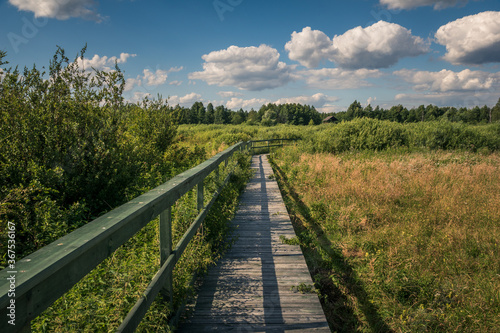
166,250
200,204
200,197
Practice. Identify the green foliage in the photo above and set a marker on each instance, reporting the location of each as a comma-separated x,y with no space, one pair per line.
400,114
70,149
361,134
376,135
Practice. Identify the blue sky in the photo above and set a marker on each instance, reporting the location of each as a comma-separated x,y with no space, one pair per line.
243,53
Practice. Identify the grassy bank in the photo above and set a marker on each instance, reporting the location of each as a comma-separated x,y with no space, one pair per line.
399,241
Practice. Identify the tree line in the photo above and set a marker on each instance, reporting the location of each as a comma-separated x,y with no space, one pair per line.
297,114
400,114
268,115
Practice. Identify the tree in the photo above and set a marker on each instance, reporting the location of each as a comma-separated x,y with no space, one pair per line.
221,115
253,117
495,112
198,113
209,114
355,110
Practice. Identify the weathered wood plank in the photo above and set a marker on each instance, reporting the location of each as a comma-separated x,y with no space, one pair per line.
254,288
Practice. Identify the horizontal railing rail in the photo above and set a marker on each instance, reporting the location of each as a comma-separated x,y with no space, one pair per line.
45,275
270,143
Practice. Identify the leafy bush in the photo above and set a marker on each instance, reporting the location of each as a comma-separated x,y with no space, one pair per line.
377,135
70,149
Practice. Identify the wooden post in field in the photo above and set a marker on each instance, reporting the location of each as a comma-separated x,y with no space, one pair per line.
166,250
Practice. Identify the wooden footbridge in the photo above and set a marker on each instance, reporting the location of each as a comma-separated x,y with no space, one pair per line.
261,285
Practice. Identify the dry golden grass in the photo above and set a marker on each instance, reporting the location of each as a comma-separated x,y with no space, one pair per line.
420,230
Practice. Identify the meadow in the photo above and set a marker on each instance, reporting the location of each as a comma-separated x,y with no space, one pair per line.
400,239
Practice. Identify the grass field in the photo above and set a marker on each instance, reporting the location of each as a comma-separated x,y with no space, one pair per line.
399,241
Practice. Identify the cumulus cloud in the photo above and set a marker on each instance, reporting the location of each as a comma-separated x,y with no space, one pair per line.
318,100
321,102
465,88
409,4
175,83
380,45
186,100
175,69
248,68
103,63
138,96
131,83
308,47
156,78
240,103
60,9
337,78
447,80
371,100
148,78
227,94
473,39
451,98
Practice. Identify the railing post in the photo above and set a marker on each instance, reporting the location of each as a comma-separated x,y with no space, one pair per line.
166,250
199,204
200,197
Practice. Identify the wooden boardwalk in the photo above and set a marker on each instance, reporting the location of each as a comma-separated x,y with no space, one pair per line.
254,288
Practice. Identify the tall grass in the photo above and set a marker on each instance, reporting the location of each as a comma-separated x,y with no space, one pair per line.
407,242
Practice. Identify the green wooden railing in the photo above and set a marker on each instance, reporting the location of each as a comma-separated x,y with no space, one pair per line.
269,143
44,276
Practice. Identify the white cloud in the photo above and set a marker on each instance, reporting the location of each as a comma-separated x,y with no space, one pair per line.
131,83
60,9
248,68
175,83
138,96
447,88
175,69
156,78
186,100
337,78
409,4
149,78
473,39
320,101
371,100
380,45
227,94
308,47
447,80
103,63
239,103
451,98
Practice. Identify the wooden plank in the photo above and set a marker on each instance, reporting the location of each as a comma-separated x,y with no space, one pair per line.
254,288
